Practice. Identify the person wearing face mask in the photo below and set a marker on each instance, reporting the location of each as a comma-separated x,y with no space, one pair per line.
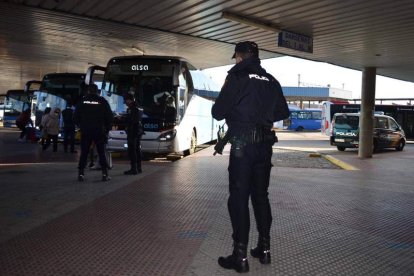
250,101
51,126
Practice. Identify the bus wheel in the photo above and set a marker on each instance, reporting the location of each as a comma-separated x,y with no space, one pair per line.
193,144
401,145
299,128
340,148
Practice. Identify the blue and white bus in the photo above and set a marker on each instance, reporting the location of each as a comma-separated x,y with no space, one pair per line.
305,119
176,99
15,102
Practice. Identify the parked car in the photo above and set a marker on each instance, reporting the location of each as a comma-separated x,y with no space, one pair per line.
387,132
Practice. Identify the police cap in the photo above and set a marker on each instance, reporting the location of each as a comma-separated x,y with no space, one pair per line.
246,47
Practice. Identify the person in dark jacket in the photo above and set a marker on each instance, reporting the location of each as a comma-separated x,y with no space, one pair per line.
250,101
22,121
134,133
94,117
68,129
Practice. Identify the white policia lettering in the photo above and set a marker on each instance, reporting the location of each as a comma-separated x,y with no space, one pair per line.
346,133
258,77
90,102
138,67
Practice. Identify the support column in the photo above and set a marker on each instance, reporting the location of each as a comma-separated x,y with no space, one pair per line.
366,119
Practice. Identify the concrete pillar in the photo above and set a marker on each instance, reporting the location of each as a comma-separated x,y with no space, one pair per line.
366,122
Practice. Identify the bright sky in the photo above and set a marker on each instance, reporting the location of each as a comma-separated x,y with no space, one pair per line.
287,70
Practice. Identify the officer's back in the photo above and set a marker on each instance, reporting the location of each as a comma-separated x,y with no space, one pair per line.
93,112
250,97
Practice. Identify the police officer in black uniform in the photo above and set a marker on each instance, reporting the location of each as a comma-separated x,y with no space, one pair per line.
250,101
69,129
134,133
94,117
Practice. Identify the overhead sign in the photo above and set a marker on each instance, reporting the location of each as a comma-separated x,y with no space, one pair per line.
295,41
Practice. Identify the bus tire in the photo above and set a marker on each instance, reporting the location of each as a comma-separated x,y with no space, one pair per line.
193,144
299,128
401,145
340,148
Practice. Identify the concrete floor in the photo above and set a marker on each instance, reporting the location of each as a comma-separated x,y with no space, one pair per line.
173,220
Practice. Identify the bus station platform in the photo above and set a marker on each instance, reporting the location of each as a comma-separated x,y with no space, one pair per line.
172,219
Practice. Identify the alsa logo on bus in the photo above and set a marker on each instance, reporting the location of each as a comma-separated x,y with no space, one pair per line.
151,126
139,67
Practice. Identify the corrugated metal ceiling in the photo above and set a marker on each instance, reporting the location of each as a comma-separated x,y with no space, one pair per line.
41,36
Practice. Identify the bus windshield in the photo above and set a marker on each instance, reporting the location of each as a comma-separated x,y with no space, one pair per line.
176,99
58,90
16,101
151,84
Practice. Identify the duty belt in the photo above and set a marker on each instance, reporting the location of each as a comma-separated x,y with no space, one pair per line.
255,136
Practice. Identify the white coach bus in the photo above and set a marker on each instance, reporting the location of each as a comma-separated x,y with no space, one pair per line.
176,99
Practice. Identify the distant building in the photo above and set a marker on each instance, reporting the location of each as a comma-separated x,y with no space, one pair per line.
311,97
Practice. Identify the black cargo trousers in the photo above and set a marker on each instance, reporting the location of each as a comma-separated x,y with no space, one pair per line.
89,135
134,150
249,176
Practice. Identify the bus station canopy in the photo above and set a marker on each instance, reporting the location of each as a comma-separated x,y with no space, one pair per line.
45,36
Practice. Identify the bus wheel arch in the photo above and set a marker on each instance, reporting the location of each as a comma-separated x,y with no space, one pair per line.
193,143
300,128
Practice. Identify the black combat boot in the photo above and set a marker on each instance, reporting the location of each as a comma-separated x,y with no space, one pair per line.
133,170
262,250
81,175
237,260
105,176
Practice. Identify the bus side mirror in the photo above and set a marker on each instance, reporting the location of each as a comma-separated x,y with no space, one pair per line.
91,71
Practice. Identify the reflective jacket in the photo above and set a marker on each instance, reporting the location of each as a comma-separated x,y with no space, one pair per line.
250,97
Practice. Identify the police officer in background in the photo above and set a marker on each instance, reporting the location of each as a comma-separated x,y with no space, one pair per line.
94,117
134,133
69,129
250,101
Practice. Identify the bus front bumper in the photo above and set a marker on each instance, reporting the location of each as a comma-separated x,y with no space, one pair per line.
150,146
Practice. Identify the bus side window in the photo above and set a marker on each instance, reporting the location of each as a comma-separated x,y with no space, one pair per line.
294,115
304,115
316,115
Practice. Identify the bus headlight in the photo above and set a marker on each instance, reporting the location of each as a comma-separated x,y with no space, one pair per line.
167,136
